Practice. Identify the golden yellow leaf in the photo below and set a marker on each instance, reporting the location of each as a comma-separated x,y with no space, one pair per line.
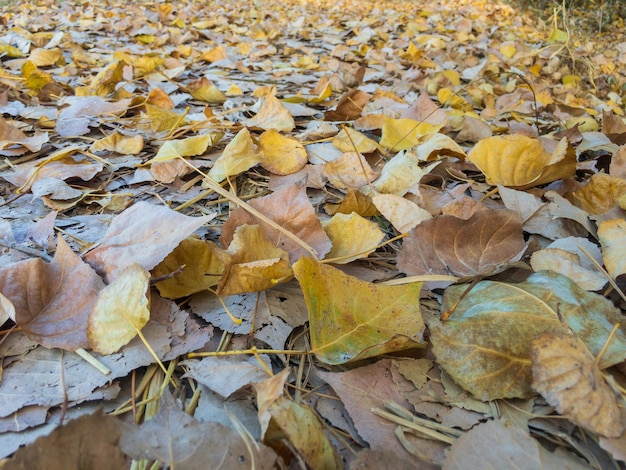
402,134
354,201
121,311
612,235
202,269
160,119
238,156
518,161
251,263
119,143
215,54
107,79
281,155
352,319
35,78
159,98
172,149
600,194
204,90
349,140
46,57
272,115
508,50
567,376
352,236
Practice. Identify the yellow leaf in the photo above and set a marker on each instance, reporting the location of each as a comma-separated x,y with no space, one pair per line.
351,319
400,173
352,236
518,161
558,35
508,50
188,147
121,311
202,269
10,51
612,235
238,156
354,201
272,115
46,57
119,143
402,134
351,170
281,155
600,194
204,90
35,78
234,90
215,54
107,79
252,263
350,140
160,119
447,97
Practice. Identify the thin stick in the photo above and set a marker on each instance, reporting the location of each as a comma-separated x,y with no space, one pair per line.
93,361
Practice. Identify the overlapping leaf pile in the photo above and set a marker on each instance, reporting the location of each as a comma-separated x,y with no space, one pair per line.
336,234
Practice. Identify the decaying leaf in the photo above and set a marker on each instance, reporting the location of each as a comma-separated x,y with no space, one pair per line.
566,375
485,344
352,319
600,194
612,234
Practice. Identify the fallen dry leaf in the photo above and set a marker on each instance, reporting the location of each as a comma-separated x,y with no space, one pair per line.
352,319
449,245
567,376
612,235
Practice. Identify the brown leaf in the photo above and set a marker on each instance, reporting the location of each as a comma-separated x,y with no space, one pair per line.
179,441
349,107
53,300
448,245
291,209
567,376
144,234
91,441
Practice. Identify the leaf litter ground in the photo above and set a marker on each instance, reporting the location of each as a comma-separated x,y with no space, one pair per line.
324,234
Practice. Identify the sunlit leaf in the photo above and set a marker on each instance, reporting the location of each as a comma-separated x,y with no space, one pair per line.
352,236
352,319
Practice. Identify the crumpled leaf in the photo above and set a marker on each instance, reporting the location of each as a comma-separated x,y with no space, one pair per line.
282,418
521,162
568,377
202,269
601,193
351,319
291,209
349,106
500,444
238,156
272,115
121,311
452,246
485,344
179,441
251,262
354,201
612,235
352,237
52,301
405,133
281,155
203,90
145,234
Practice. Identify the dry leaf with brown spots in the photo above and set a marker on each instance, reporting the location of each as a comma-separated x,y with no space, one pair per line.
600,194
567,376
